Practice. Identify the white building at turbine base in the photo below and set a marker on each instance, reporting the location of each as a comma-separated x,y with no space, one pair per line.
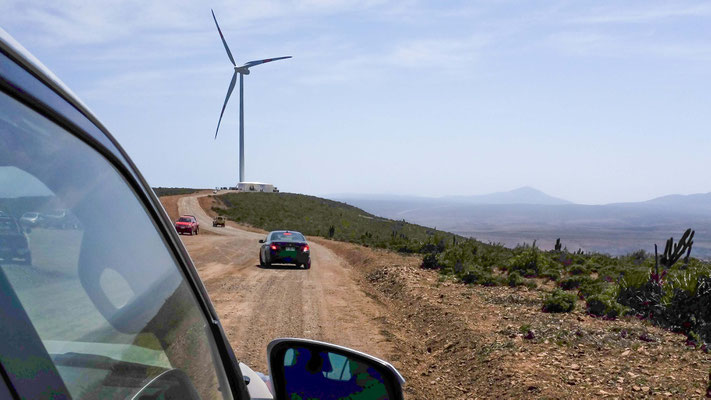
256,187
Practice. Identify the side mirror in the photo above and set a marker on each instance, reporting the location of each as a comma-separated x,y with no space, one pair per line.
307,369
261,240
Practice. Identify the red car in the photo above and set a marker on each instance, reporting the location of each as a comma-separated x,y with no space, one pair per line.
187,224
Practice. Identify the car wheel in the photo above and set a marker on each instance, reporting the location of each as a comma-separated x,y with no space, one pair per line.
261,260
27,260
308,264
197,231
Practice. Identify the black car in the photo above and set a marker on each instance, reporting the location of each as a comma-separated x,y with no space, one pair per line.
285,247
13,242
114,308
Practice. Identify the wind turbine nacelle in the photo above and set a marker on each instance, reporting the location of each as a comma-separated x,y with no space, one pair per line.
242,70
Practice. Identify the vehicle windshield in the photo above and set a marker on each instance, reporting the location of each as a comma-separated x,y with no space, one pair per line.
184,219
99,284
287,237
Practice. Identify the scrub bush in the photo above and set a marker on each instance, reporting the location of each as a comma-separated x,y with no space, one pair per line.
603,305
514,279
529,262
579,269
592,287
550,273
574,282
429,261
481,276
559,302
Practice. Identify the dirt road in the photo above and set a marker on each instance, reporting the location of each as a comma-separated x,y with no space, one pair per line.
258,304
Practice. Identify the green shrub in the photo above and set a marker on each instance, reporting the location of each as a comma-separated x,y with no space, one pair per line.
610,273
455,258
550,273
578,269
602,305
479,275
492,256
574,282
529,262
514,279
429,261
559,302
592,266
642,292
592,287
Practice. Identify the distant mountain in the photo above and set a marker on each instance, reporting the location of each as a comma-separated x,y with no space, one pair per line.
523,195
700,202
527,214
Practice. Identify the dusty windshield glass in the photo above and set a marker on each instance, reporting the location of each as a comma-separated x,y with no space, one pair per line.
95,277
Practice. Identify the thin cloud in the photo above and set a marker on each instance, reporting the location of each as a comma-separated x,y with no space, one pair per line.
626,45
647,14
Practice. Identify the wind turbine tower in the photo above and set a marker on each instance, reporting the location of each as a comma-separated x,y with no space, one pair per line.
241,70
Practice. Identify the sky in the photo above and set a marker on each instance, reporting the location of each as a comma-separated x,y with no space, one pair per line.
594,102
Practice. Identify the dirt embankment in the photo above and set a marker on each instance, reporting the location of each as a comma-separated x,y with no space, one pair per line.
450,341
464,342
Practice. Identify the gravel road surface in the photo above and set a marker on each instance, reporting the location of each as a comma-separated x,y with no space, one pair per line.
258,304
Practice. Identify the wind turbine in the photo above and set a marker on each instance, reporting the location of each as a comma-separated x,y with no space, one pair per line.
242,71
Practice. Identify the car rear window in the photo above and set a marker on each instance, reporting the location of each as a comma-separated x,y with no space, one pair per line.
287,237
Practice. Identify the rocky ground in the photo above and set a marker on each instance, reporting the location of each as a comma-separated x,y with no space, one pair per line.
467,342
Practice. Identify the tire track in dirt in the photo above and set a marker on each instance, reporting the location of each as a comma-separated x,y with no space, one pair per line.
257,304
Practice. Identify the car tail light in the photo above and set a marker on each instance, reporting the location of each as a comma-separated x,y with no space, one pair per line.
306,248
273,247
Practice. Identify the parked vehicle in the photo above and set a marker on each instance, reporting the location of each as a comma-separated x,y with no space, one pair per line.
31,219
187,224
119,311
285,247
59,219
219,221
13,242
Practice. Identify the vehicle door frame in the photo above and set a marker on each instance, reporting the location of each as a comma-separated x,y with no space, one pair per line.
28,82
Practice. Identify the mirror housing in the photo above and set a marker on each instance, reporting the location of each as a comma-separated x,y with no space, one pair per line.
261,240
302,368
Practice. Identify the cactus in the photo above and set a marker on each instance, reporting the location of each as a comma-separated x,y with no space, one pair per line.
673,252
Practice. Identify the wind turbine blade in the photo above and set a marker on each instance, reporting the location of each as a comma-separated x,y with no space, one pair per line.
229,53
266,60
229,92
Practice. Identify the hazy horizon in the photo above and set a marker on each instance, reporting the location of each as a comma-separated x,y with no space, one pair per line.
593,103
355,194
